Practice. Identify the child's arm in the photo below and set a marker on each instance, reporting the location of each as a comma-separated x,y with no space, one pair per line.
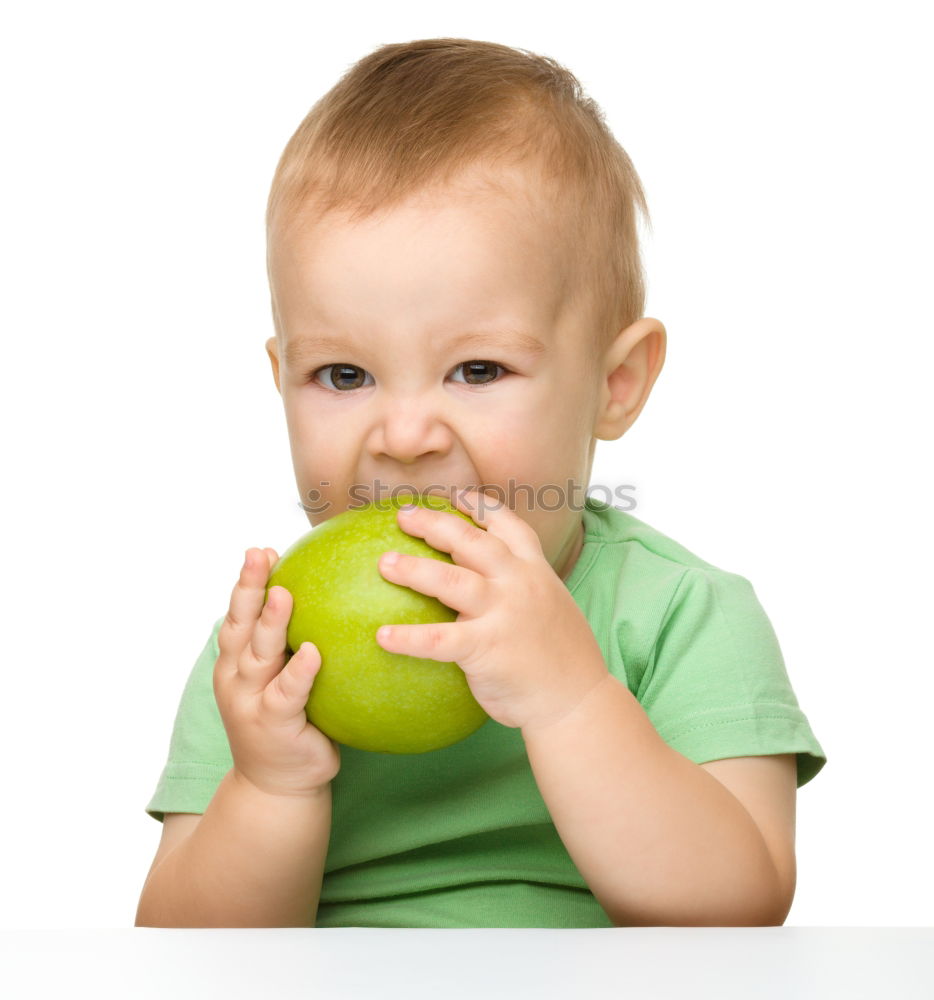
252,860
256,856
658,839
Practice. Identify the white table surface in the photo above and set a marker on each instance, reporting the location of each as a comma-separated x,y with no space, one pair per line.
745,963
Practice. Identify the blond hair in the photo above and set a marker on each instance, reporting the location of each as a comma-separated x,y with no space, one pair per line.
412,116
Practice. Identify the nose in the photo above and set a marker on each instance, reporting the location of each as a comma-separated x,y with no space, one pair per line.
409,428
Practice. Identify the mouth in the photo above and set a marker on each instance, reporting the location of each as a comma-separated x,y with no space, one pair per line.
381,490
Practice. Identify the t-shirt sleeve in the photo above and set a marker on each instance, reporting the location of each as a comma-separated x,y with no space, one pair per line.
199,753
715,684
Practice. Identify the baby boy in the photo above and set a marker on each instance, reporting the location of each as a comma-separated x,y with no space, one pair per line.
457,297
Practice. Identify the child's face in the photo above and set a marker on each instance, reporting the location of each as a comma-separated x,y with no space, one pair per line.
379,324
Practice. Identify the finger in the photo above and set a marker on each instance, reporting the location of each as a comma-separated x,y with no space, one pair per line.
446,642
246,602
492,514
266,652
457,587
287,693
468,545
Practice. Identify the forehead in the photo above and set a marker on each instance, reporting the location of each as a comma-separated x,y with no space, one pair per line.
485,241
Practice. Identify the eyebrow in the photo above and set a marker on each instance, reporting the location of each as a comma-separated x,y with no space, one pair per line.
298,349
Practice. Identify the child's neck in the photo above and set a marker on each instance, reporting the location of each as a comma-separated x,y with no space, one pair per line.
568,556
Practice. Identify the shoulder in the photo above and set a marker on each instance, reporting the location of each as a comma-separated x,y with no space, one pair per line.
644,578
201,678
615,540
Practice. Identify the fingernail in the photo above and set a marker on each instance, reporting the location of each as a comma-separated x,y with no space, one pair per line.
246,559
407,508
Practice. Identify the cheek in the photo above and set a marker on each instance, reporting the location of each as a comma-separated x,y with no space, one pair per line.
534,468
315,429
317,445
548,442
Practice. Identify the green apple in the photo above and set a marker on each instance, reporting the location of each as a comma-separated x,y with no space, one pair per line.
363,695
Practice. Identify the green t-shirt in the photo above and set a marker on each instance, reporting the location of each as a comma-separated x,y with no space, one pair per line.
461,837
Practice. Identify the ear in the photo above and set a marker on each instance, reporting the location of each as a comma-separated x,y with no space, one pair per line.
272,349
630,367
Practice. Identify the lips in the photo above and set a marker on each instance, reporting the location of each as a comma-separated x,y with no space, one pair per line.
381,490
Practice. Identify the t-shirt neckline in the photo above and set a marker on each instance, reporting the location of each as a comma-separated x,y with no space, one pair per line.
590,515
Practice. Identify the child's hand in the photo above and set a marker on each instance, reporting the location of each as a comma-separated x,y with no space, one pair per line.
526,648
262,696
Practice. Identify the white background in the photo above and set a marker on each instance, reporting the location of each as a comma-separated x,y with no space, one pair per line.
786,155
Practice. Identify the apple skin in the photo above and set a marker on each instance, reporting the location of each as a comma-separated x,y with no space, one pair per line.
364,696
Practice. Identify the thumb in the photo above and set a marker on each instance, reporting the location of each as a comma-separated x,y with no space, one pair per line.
305,665
290,687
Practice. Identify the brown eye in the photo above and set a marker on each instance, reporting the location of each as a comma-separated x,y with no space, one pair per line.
479,372
342,376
